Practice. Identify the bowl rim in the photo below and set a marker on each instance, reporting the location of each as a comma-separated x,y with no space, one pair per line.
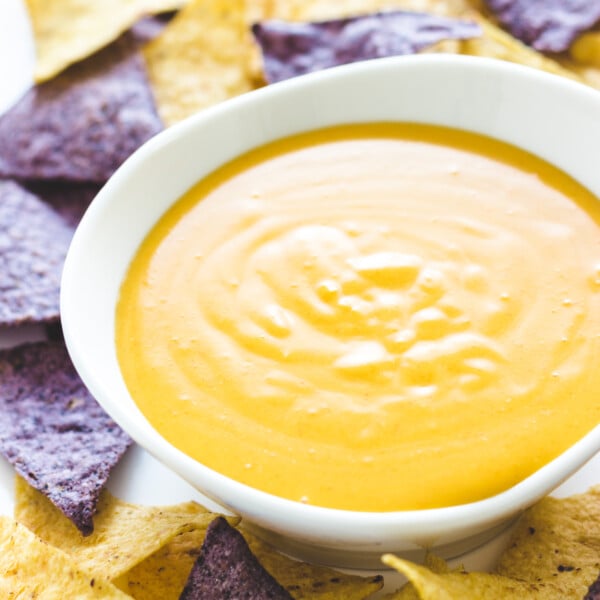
344,525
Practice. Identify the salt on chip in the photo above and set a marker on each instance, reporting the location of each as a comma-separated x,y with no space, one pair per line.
83,124
67,31
548,26
291,49
226,568
124,533
557,540
53,432
30,568
304,580
459,585
33,244
202,57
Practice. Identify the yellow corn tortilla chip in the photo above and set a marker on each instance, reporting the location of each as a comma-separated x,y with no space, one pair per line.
459,585
586,48
314,10
495,43
303,580
124,534
202,57
30,568
66,31
557,540
163,575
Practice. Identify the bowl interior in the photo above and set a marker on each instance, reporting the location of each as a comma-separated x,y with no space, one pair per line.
555,119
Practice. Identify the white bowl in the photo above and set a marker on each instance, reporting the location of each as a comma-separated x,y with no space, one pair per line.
554,118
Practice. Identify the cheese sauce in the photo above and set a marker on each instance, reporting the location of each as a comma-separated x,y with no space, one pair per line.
371,317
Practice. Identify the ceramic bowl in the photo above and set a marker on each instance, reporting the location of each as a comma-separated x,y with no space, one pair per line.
554,118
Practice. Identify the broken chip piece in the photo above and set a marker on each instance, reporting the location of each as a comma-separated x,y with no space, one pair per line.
226,568
548,26
33,244
53,432
291,49
82,125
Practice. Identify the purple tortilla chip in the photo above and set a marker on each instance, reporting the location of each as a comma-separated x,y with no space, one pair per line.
69,200
83,124
53,432
226,568
33,244
291,49
593,592
546,25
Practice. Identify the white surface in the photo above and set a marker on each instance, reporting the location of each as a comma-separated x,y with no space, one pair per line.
141,478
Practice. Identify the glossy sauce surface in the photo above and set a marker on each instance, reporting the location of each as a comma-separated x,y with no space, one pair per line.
371,317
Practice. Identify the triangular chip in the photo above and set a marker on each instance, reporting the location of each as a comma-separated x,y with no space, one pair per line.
304,580
163,575
30,568
226,568
33,244
547,26
495,43
82,125
203,57
67,31
557,540
53,432
459,585
291,49
124,533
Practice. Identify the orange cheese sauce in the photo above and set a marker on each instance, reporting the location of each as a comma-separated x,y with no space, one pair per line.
371,317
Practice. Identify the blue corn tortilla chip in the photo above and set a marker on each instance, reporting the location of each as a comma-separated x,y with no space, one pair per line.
34,241
53,432
226,568
83,124
291,49
70,201
546,25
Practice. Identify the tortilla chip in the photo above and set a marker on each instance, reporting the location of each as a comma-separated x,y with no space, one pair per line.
303,580
586,49
557,541
124,534
30,568
320,10
593,592
548,26
82,125
291,49
496,43
67,31
70,201
226,568
459,585
163,575
33,244
202,57
53,432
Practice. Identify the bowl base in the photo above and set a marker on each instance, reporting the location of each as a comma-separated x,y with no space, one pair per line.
371,559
